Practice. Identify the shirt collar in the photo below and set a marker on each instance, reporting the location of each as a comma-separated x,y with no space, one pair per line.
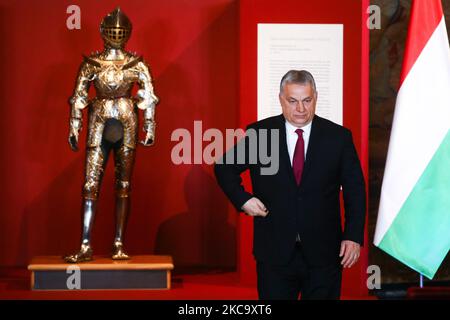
306,129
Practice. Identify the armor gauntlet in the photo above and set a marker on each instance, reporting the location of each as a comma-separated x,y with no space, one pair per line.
149,125
76,121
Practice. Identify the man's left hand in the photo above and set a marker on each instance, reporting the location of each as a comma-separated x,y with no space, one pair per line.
350,252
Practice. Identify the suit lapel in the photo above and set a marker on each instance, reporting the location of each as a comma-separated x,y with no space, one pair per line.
314,140
285,162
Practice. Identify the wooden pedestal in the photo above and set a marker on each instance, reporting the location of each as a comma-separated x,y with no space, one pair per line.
102,273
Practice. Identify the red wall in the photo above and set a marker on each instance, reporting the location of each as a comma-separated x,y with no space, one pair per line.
350,13
192,48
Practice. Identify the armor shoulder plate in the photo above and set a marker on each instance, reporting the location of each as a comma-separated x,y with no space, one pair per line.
91,61
132,63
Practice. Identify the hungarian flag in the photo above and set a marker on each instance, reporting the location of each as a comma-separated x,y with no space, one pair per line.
414,214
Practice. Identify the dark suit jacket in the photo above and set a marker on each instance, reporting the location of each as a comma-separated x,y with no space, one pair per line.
312,209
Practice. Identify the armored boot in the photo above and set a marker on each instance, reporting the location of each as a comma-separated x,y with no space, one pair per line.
122,210
85,253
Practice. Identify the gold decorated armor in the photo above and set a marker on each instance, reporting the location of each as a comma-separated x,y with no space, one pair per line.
113,74
112,123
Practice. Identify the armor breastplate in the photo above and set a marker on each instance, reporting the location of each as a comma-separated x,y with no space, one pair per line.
113,73
113,81
114,78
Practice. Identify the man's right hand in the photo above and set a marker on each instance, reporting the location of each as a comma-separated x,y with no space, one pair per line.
255,208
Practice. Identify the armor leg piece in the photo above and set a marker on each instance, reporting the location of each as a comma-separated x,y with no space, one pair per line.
85,253
96,159
124,161
122,210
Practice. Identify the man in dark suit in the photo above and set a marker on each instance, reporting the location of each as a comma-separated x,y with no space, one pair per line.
299,245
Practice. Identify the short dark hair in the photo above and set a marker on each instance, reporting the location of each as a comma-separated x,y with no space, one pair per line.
299,77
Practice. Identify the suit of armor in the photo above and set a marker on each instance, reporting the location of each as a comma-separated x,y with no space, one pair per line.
112,125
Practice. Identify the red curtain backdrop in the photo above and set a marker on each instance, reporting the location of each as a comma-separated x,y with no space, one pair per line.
192,49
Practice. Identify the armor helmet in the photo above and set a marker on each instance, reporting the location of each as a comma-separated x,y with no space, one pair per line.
115,29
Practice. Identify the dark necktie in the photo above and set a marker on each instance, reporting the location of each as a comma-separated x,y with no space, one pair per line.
299,156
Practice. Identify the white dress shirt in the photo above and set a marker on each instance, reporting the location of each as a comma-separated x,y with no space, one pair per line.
292,136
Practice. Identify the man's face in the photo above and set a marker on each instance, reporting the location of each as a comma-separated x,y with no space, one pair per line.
298,102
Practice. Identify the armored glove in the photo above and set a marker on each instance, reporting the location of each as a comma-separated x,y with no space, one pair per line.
76,123
149,126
